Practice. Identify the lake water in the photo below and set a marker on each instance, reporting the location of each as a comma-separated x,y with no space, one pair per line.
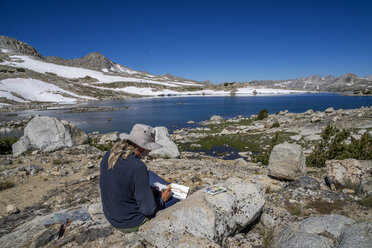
174,112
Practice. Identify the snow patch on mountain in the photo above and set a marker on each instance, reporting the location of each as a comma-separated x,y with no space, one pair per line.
74,72
36,90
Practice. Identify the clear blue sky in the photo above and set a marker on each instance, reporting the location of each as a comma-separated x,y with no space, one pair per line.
216,40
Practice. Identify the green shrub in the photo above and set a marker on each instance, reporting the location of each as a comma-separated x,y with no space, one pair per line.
262,114
102,147
21,70
6,144
332,146
366,202
276,124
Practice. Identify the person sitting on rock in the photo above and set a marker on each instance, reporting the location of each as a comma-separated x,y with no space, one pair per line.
128,200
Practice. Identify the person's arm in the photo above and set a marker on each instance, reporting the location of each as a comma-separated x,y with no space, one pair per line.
147,204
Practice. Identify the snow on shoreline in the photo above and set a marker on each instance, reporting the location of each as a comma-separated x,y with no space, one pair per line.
36,90
240,91
75,72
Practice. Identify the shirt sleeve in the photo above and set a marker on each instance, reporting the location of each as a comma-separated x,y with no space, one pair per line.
147,204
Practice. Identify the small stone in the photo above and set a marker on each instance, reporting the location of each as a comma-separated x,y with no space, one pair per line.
348,191
90,166
329,110
315,119
190,122
11,209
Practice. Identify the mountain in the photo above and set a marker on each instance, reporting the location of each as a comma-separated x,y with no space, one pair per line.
346,83
94,61
8,44
25,75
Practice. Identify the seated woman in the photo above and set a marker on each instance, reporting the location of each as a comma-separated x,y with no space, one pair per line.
128,199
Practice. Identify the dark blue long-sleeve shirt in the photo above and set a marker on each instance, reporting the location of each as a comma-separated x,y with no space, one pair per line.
127,197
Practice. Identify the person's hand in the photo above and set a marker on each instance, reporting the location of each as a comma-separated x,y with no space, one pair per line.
166,194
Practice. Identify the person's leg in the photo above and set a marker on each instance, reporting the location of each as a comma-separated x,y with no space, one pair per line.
153,178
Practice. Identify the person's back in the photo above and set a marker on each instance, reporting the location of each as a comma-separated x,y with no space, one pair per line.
127,197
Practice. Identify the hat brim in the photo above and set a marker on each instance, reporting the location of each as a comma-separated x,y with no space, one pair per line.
146,145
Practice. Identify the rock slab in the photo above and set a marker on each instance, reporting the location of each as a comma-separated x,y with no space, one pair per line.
205,216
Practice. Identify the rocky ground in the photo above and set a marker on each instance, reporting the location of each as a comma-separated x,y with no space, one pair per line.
41,190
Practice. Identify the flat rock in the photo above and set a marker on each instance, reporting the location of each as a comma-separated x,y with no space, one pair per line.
317,231
205,216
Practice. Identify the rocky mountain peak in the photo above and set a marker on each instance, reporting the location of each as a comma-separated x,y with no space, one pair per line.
94,61
17,47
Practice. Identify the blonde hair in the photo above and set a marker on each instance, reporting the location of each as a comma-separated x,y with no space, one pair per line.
121,149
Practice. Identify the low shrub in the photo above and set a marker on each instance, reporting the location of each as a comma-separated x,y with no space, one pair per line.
6,144
262,114
332,146
324,207
366,202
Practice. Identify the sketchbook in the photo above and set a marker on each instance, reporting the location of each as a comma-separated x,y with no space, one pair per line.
178,191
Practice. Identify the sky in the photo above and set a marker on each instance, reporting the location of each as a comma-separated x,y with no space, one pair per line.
220,41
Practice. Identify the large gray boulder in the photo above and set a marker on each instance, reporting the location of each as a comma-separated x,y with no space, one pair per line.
45,134
358,235
206,217
287,161
169,149
345,173
317,231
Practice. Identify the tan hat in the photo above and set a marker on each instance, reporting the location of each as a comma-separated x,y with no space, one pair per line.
143,136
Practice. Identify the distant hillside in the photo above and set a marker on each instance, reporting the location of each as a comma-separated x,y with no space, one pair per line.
345,83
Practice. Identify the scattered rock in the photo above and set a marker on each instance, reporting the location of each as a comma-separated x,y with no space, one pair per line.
216,118
315,119
313,137
329,110
30,169
295,137
318,231
11,209
305,182
309,112
287,162
190,122
110,137
344,173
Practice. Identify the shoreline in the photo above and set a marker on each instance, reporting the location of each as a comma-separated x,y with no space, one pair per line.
8,108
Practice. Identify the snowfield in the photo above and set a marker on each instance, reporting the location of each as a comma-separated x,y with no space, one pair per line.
74,72
36,90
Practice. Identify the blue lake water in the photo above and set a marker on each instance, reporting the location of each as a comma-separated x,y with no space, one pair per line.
174,112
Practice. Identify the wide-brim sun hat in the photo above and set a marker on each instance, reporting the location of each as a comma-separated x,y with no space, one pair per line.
143,136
